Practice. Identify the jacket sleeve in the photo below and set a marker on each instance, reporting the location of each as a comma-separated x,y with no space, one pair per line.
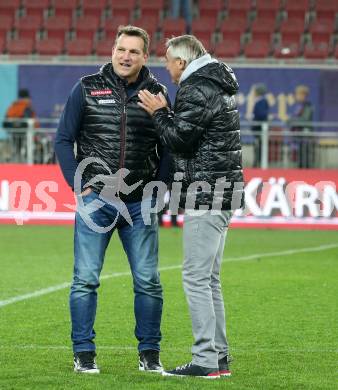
180,131
67,133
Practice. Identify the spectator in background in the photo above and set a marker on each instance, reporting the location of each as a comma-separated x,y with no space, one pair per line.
302,115
260,114
16,118
186,7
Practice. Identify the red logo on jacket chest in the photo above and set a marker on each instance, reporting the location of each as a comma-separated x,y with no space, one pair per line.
100,92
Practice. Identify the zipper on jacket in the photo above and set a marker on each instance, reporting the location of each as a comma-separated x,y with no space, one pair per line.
122,137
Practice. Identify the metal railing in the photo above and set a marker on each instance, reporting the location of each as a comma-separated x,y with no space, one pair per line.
265,144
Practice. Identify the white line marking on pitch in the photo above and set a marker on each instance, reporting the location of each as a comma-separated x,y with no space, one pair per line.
238,349
255,256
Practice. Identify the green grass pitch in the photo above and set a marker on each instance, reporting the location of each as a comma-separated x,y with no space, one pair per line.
281,302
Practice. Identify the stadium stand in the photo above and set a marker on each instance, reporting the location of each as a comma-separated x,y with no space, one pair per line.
9,7
297,9
173,27
21,46
57,26
79,47
204,27
239,8
123,8
28,26
211,8
326,9
35,7
230,28
51,47
64,8
111,25
86,26
151,9
104,47
257,49
229,49
94,8
267,9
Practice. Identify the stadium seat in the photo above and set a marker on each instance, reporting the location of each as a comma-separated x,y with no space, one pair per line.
239,8
123,8
150,24
263,28
27,26
160,48
297,9
257,49
57,26
9,7
6,23
318,51
326,9
233,28
111,26
20,46
207,44
86,26
287,49
51,47
104,47
79,47
94,8
151,8
210,8
203,28
293,26
294,37
173,27
35,7
267,8
322,29
2,43
227,49
65,7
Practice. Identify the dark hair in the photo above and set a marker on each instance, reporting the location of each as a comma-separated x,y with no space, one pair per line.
134,31
23,93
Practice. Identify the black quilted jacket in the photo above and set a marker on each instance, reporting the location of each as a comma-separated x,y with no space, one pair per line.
203,133
117,131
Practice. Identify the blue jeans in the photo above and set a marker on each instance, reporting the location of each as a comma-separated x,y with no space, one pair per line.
140,243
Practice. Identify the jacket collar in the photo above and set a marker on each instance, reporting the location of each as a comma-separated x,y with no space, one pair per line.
195,65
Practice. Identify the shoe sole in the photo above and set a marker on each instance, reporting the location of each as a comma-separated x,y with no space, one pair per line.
155,371
93,371
225,373
191,376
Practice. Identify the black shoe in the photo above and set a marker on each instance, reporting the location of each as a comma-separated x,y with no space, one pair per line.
84,362
149,360
223,366
191,369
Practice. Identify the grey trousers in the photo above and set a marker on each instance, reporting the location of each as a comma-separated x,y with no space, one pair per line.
203,241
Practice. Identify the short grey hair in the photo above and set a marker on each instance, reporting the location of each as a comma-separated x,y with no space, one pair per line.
186,47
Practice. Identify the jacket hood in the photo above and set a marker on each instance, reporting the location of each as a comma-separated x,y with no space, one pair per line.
213,70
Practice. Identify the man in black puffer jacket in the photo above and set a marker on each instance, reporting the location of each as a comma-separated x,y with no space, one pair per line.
113,135
203,133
